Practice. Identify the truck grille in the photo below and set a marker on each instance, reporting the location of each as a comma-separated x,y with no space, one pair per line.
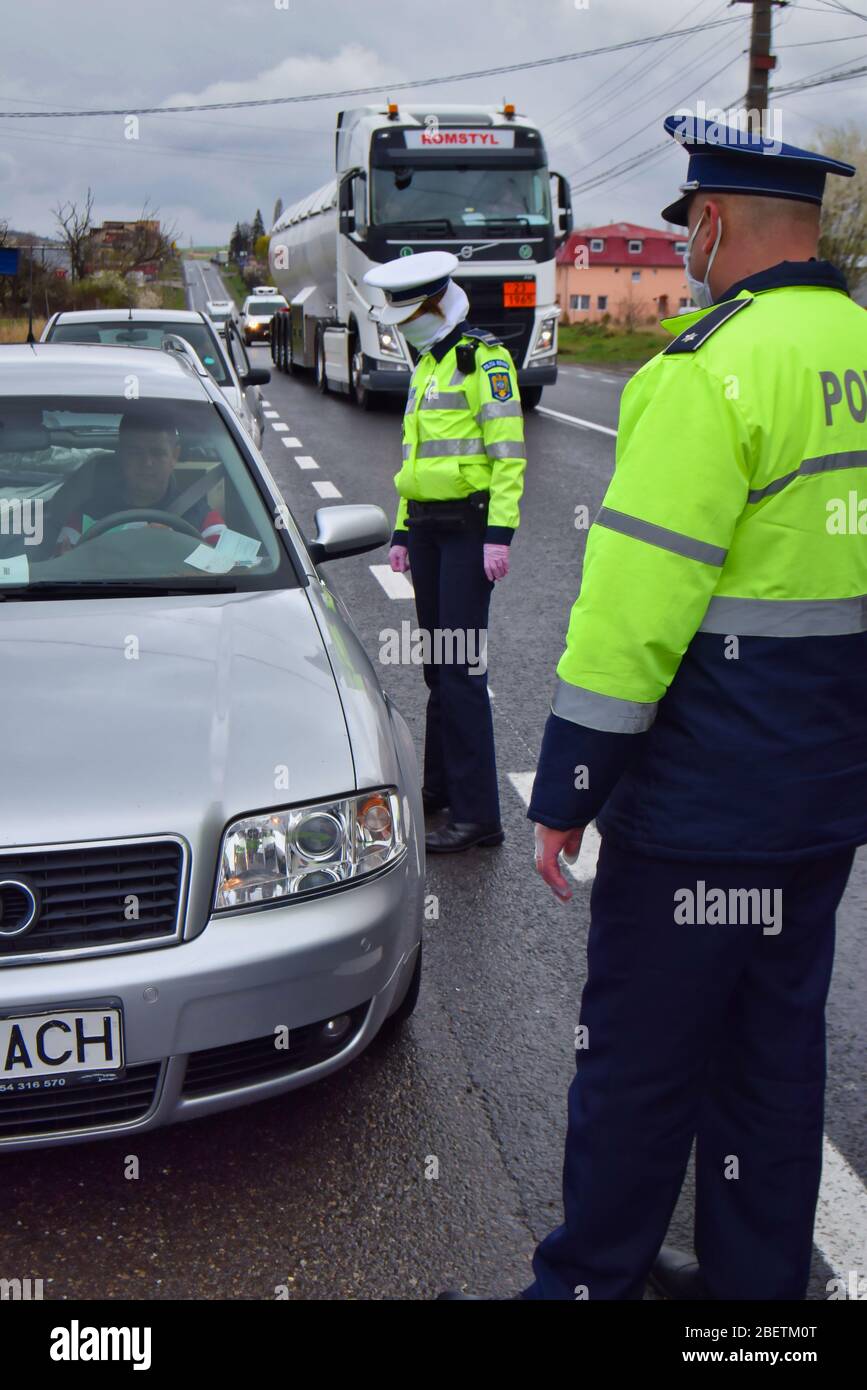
512,326
245,1063
93,1105
93,896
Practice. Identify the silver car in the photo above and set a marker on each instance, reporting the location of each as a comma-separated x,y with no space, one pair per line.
227,363
257,312
211,846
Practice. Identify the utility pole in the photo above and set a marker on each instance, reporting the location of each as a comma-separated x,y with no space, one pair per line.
762,61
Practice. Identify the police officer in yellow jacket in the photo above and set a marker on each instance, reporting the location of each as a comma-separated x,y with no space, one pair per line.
711,716
460,487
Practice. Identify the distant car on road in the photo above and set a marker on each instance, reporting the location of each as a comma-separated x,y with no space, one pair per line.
212,861
257,313
219,311
228,364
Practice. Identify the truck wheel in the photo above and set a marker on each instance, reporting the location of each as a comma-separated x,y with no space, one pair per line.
362,396
275,347
320,370
530,396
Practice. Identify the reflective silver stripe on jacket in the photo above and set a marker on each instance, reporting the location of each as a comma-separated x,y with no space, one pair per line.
498,410
603,712
410,401
406,450
440,448
505,449
826,463
458,377
771,617
444,400
661,536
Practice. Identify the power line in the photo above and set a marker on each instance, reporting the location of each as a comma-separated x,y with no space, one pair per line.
653,121
586,101
364,91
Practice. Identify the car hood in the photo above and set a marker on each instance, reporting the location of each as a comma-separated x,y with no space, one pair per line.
164,715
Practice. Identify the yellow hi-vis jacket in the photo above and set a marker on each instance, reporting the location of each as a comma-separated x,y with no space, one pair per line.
463,432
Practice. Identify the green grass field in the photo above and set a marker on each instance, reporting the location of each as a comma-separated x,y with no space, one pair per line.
607,344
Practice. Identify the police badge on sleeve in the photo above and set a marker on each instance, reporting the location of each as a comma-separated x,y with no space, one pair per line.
500,380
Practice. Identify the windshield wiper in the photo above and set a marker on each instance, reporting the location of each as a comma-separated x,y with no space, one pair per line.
114,588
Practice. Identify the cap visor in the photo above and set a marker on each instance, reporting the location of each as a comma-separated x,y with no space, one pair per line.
397,313
678,212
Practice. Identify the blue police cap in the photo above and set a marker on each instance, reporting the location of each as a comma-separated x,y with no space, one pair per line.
725,159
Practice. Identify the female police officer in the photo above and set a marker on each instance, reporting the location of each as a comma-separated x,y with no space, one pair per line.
460,486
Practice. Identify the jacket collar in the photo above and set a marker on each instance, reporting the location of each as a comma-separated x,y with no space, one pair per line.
439,350
787,274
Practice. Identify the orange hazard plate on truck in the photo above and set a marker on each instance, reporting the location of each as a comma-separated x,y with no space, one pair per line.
519,294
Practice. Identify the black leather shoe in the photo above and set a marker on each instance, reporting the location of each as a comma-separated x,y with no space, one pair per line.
676,1275
458,835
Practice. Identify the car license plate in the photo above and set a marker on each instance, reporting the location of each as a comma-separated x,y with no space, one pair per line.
519,294
60,1048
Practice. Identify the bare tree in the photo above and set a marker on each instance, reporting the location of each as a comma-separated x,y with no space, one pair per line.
148,243
76,225
631,311
843,237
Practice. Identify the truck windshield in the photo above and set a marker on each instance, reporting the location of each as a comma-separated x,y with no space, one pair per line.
466,197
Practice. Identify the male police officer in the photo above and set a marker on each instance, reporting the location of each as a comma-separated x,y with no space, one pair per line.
710,713
460,486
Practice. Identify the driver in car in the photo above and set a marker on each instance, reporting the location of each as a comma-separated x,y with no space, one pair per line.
143,479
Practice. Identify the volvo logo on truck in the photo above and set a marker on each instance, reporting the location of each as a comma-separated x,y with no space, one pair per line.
470,180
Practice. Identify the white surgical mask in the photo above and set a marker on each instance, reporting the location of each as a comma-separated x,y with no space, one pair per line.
428,328
423,331
700,290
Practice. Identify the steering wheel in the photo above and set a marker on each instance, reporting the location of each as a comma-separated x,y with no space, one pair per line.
171,519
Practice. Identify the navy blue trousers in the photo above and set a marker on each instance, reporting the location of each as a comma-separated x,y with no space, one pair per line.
707,1032
452,593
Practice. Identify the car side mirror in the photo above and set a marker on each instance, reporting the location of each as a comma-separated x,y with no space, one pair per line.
257,376
351,529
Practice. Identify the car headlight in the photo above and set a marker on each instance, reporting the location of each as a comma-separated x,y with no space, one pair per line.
305,849
253,323
389,342
546,338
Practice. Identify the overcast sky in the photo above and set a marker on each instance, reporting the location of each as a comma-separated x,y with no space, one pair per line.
208,170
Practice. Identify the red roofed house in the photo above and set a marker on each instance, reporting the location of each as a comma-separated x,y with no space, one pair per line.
634,274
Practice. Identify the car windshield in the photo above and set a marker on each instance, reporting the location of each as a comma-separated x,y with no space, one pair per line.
129,495
465,197
137,333
219,311
261,305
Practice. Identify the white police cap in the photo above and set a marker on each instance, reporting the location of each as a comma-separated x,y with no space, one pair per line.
408,281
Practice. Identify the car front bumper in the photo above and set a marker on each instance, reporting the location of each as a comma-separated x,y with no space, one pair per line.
244,981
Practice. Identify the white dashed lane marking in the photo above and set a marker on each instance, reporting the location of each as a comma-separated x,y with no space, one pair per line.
326,489
272,415
841,1216
395,585
306,461
574,420
291,442
584,868
278,427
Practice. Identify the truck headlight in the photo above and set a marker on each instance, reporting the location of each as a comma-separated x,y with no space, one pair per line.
305,849
546,338
389,341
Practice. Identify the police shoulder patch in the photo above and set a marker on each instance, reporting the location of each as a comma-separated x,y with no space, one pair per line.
500,382
691,339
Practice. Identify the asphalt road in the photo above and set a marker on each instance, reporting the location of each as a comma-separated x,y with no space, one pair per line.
333,1192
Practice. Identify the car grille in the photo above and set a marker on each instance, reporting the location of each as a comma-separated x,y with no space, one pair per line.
245,1063
93,1105
85,890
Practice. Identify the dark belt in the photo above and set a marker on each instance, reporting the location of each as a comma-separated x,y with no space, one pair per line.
450,514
